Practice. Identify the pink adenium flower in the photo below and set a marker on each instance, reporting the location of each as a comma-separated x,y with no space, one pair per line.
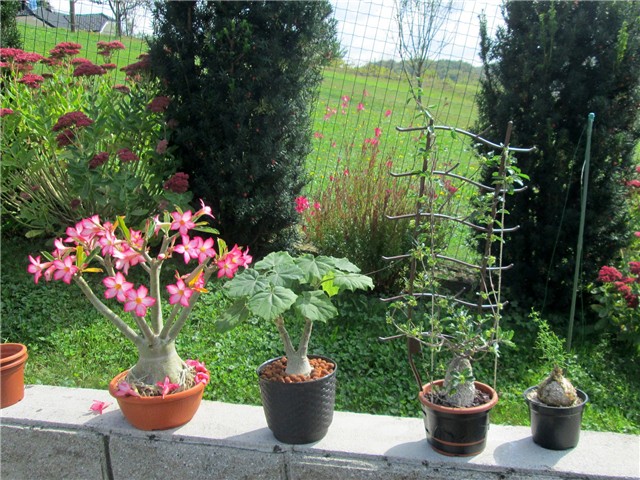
125,390
182,222
205,249
98,406
65,269
117,287
179,293
205,210
138,301
202,374
37,268
188,248
167,387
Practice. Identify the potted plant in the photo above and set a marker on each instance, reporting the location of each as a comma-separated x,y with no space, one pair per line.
297,390
466,323
13,357
555,405
160,378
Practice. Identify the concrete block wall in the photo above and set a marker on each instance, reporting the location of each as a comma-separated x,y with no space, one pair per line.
52,434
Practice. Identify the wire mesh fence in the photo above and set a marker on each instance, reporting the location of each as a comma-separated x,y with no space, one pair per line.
363,97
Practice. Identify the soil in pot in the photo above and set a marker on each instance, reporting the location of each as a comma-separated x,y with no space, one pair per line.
555,428
455,431
13,357
298,410
276,371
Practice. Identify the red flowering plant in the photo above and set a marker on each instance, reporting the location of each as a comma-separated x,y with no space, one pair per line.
617,289
347,214
75,143
96,246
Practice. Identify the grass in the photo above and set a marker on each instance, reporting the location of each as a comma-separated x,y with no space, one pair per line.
71,345
42,40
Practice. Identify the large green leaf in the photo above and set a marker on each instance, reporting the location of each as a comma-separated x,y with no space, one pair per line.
342,264
271,302
352,281
232,316
315,306
280,269
272,260
314,268
245,284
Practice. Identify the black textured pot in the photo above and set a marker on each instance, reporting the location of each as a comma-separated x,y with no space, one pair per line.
457,432
555,428
299,412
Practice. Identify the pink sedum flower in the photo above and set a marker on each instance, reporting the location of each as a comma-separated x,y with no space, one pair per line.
117,287
138,301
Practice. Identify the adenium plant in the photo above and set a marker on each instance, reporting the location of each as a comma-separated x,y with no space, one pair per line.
94,246
283,289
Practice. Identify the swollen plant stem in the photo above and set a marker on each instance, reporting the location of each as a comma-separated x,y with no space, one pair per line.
297,361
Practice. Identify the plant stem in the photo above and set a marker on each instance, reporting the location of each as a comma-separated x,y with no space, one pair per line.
126,330
297,360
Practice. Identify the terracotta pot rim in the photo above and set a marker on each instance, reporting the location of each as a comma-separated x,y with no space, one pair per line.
311,380
459,410
150,400
21,351
15,364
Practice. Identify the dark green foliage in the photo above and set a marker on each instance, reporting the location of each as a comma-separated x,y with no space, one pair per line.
9,35
244,75
553,64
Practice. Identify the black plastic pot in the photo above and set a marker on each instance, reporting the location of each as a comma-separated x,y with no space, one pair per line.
457,432
555,428
299,412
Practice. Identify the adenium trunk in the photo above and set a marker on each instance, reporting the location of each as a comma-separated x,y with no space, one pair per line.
155,362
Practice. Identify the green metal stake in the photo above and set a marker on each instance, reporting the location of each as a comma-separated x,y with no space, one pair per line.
583,212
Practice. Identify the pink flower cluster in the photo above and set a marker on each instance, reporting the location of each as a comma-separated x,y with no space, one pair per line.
69,123
92,238
622,283
202,374
178,183
302,204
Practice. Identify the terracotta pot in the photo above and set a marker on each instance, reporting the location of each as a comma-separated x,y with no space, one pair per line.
157,413
301,412
13,357
458,432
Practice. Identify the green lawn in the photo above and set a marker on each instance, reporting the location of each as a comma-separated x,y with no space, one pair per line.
42,40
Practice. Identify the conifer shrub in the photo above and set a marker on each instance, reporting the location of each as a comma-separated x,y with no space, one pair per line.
244,76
